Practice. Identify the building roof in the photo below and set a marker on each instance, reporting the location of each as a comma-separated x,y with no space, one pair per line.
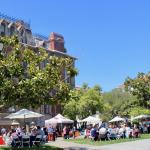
52,51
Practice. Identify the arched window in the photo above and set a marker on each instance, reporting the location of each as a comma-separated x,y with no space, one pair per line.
44,45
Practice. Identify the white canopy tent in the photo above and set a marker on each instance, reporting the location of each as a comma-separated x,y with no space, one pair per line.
58,119
91,120
140,117
117,119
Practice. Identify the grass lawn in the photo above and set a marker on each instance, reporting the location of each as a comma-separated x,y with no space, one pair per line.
44,147
90,142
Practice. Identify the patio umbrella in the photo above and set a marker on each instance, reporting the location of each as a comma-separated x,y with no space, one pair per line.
141,117
23,114
117,119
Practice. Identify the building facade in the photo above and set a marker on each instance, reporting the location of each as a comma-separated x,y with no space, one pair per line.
54,45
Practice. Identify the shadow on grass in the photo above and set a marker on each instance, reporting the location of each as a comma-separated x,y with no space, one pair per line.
100,143
45,147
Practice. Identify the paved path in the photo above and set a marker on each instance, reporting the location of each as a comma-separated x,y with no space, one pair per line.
134,145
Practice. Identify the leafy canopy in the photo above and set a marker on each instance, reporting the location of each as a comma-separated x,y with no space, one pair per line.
31,77
84,102
140,87
117,102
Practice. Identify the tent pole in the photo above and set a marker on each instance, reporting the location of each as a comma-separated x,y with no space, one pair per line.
24,123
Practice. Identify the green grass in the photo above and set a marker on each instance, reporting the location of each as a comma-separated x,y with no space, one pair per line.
45,147
91,142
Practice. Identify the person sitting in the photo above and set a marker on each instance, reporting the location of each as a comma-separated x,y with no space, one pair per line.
121,132
135,132
145,130
13,134
87,133
7,139
40,132
103,133
33,136
112,134
127,131
93,133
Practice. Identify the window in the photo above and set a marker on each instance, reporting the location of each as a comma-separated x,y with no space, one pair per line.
12,30
46,109
2,29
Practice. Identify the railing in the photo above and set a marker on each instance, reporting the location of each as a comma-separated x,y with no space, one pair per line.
40,36
13,19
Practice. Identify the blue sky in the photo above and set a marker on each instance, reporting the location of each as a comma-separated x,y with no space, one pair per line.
110,38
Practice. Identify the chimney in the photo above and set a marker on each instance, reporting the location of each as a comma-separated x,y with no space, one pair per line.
56,42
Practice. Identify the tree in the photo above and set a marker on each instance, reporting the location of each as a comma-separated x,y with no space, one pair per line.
71,109
117,102
90,102
140,87
135,111
23,80
84,102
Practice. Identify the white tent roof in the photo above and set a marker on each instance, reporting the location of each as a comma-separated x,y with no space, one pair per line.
24,113
91,120
141,117
58,119
117,119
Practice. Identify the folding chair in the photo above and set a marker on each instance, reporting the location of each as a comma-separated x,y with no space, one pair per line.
44,139
26,140
38,140
16,142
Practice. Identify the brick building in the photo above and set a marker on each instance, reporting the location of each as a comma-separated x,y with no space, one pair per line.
54,45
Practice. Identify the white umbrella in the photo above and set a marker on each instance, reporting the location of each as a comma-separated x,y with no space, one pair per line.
141,117
91,120
24,113
117,119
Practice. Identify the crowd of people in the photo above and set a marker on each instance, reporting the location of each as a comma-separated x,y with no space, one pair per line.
69,132
49,133
94,132
114,131
17,133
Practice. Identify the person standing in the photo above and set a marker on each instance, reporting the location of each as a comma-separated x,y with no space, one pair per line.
50,133
64,132
74,132
54,133
67,132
